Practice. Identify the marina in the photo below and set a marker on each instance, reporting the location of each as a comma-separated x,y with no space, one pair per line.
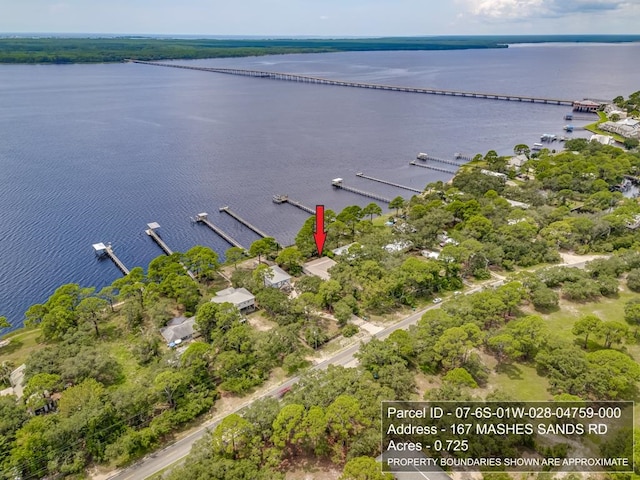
250,226
386,182
102,249
339,183
204,219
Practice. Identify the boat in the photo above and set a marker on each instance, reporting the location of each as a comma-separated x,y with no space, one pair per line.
537,146
422,156
280,198
568,128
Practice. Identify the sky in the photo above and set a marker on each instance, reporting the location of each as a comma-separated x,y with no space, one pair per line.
321,17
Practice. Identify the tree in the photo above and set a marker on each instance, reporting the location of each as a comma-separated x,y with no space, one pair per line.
202,261
233,437
287,426
290,259
364,468
4,323
234,255
613,332
397,203
261,247
522,149
633,280
371,210
543,298
587,325
93,309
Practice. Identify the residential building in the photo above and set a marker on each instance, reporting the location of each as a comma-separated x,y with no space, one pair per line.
179,330
277,278
241,298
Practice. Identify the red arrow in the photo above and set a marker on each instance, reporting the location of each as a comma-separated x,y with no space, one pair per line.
319,235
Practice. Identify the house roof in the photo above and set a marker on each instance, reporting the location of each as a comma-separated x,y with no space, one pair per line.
279,276
178,328
319,267
235,296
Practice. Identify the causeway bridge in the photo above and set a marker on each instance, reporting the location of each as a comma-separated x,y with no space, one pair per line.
293,77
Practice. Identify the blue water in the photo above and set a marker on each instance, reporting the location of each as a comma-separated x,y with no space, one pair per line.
92,153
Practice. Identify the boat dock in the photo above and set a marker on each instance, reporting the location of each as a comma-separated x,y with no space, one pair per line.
386,182
431,167
102,249
338,183
204,218
285,199
250,226
151,231
428,158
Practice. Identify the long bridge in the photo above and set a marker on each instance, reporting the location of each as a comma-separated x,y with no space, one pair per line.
293,77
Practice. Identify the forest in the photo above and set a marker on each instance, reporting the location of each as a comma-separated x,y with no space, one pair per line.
517,322
62,50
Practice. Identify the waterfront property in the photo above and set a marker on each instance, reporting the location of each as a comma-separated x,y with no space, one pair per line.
627,127
241,298
589,106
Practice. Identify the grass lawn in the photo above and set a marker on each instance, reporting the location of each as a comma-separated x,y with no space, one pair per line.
23,342
520,382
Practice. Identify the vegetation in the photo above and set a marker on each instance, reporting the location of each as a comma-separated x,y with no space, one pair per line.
90,50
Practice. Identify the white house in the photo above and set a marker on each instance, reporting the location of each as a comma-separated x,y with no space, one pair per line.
241,298
277,278
603,139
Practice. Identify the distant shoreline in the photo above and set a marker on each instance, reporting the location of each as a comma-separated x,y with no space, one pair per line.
58,49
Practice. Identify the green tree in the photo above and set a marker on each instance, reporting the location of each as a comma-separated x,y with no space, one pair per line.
202,261
291,260
613,332
287,427
364,468
234,255
522,149
587,325
633,280
372,209
93,310
4,323
233,437
261,247
397,203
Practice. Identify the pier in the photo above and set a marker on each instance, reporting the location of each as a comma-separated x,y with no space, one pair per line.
102,249
250,226
295,203
204,218
428,158
337,183
386,182
431,167
292,77
151,231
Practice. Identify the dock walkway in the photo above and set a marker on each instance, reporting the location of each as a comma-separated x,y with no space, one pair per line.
204,218
250,226
102,249
292,77
429,158
337,183
431,167
151,231
286,199
386,182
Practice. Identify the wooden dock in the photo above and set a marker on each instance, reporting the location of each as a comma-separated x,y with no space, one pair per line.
286,199
429,158
204,218
151,231
250,226
102,249
386,182
292,77
337,183
431,167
